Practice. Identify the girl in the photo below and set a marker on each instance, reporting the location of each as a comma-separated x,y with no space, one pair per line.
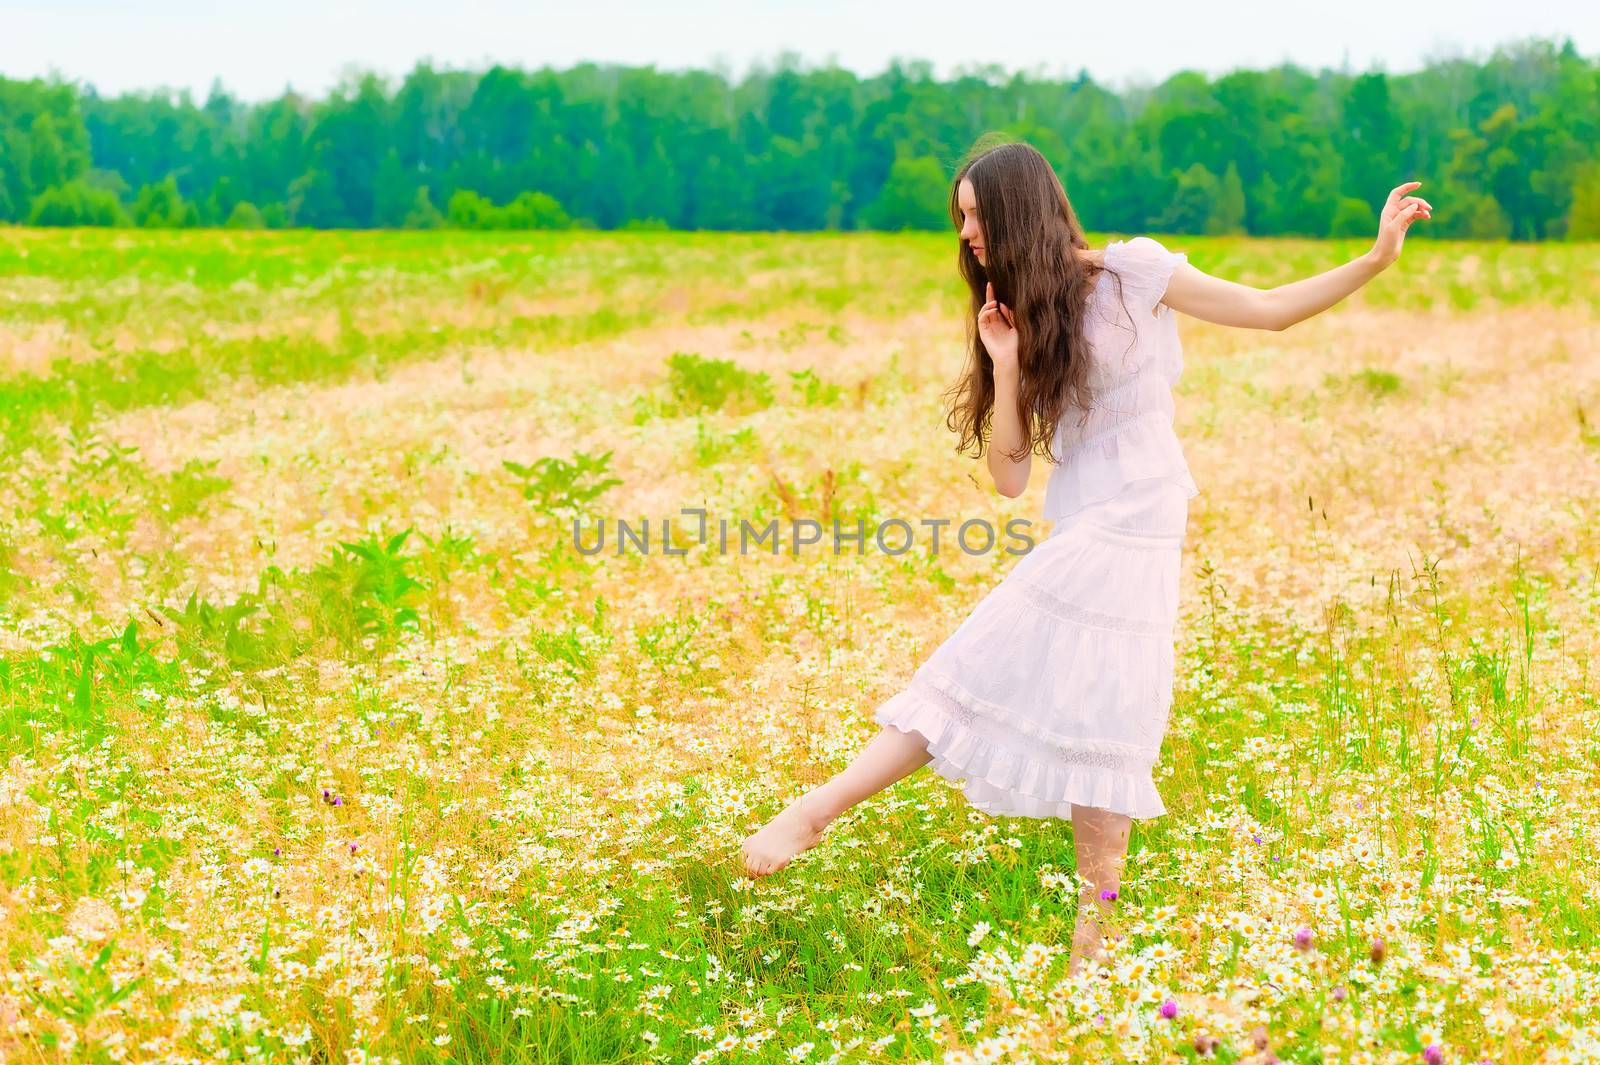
1051,699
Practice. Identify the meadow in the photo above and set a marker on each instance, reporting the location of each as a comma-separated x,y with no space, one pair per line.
322,740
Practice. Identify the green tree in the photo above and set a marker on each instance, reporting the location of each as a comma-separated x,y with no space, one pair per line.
530,210
216,207
468,210
1353,218
314,201
1227,212
48,160
245,216
535,210
1370,142
349,145
915,196
790,192
395,194
1191,206
43,143
1480,217
423,214
161,206
1583,221
76,203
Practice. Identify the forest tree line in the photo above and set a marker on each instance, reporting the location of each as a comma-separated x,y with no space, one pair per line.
1505,146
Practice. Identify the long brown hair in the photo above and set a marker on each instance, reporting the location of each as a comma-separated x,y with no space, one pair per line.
1029,233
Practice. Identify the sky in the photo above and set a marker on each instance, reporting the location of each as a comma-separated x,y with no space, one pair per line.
259,49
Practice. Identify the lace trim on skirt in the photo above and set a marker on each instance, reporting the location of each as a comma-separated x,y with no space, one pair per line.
1101,754
1027,779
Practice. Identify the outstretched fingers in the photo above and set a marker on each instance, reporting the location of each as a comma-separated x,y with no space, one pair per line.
1401,190
1398,201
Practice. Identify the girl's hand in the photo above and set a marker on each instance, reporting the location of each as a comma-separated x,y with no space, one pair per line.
1398,214
998,330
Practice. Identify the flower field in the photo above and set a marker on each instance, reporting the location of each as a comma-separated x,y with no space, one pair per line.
323,738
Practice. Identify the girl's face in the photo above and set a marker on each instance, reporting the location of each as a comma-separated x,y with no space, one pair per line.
971,229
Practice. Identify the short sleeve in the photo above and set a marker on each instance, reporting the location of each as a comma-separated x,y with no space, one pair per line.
1146,266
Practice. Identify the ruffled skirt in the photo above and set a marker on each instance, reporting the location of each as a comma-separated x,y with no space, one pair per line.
1056,689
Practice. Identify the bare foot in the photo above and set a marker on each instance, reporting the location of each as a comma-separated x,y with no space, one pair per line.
1080,962
793,830
1086,946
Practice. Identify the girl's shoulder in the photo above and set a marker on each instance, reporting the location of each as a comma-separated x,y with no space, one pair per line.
1146,262
1141,251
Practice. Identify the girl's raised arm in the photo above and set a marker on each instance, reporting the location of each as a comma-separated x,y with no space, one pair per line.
1214,299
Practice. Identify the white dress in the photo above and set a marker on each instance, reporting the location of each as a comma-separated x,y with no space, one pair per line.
1057,687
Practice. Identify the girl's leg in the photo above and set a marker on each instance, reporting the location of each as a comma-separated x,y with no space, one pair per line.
890,755
1100,838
